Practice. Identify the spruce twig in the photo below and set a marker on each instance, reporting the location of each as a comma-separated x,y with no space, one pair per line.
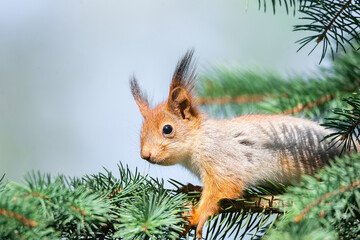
328,27
27,222
304,107
311,205
326,209
333,23
242,92
227,99
346,124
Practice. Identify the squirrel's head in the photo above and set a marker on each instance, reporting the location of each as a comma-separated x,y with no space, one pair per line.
168,130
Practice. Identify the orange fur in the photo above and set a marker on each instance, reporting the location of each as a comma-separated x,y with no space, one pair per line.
215,189
213,192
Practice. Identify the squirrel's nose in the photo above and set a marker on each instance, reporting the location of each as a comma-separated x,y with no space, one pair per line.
145,155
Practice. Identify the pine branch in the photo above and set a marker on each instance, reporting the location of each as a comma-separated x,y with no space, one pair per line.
25,221
98,206
325,197
268,204
239,217
257,199
135,208
301,107
323,209
328,27
346,124
334,22
139,208
19,218
227,100
242,91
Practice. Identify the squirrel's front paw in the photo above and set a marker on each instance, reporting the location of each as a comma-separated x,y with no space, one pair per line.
191,218
194,219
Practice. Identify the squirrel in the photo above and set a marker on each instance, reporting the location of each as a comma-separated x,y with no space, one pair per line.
228,154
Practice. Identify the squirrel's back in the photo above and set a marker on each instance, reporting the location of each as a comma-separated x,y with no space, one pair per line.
253,148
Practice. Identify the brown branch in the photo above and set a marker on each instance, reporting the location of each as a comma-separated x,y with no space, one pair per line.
20,218
36,194
253,203
114,193
265,203
342,189
83,213
227,99
350,130
327,28
258,98
301,107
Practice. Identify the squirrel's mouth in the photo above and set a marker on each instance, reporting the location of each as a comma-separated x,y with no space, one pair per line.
162,162
152,161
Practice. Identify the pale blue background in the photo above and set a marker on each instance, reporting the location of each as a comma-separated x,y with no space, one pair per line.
65,104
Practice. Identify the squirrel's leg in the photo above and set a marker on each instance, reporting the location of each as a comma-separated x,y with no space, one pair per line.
208,206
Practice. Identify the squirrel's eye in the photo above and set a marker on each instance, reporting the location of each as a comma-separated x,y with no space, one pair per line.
167,129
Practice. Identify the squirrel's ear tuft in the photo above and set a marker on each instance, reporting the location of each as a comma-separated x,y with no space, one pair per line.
184,75
139,96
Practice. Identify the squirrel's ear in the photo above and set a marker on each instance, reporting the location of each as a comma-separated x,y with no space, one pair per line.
180,97
180,103
139,96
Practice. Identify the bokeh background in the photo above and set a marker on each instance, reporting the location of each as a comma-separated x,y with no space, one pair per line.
65,103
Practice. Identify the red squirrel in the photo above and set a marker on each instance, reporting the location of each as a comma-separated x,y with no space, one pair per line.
229,154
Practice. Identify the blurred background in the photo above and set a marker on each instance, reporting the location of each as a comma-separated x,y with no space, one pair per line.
65,103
